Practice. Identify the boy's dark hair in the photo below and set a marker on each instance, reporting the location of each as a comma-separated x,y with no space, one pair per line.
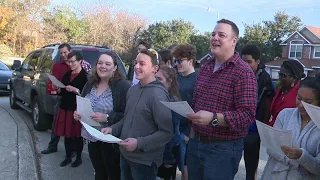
65,45
234,27
166,56
78,55
153,56
252,50
314,84
185,51
145,44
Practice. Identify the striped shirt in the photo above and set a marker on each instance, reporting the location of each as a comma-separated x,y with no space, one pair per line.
102,104
230,90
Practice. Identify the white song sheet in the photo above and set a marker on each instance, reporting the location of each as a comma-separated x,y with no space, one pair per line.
99,135
181,107
314,113
55,81
84,109
273,138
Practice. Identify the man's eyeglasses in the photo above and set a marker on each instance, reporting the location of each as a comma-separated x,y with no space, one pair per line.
177,61
70,62
284,75
155,53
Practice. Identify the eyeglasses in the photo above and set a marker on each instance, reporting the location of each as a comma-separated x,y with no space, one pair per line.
284,75
179,61
155,53
70,62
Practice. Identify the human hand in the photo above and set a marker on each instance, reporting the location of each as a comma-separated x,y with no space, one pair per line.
129,144
106,130
72,89
291,152
186,139
76,116
201,117
99,117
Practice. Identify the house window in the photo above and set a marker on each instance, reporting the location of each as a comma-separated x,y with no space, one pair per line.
296,49
317,52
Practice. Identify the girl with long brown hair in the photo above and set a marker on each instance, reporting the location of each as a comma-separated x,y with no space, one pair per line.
171,159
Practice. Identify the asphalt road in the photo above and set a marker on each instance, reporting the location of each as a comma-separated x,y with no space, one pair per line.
49,164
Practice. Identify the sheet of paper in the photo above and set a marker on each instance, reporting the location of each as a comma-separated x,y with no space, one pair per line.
99,135
314,113
84,109
181,107
273,138
55,81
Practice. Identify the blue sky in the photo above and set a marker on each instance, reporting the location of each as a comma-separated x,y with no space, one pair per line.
195,11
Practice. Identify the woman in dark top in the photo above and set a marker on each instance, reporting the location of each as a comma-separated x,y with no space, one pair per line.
291,72
65,124
167,76
107,91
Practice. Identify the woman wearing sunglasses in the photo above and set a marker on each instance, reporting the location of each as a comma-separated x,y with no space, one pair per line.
146,127
291,72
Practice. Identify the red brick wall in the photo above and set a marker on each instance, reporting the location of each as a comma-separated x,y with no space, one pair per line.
285,51
305,52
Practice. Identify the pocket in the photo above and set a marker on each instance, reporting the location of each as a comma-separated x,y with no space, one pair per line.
222,146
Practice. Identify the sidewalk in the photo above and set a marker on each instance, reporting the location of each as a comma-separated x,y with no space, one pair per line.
17,159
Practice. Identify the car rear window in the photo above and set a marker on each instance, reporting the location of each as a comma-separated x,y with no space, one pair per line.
3,66
90,56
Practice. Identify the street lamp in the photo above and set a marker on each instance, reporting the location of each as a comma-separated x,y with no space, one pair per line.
217,13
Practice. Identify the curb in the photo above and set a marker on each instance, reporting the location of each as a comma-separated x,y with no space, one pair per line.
26,149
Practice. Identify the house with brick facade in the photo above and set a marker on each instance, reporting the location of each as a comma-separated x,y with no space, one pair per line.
302,46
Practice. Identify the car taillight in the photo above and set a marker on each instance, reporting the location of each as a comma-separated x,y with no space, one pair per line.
50,89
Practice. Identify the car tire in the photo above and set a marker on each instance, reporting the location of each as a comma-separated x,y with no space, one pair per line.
39,117
13,99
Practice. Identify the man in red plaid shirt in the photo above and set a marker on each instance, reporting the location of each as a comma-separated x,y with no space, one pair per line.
225,99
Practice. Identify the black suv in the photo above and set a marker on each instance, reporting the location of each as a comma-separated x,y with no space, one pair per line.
31,89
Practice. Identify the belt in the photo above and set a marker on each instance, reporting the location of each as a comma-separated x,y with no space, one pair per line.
206,139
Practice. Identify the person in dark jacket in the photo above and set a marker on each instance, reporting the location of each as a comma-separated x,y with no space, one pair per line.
107,91
65,124
251,54
146,127
184,56
171,158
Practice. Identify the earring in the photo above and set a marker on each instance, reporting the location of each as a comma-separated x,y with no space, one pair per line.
292,84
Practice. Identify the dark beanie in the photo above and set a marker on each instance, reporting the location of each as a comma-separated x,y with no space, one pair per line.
295,68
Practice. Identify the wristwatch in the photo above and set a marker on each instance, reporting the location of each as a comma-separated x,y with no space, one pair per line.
215,120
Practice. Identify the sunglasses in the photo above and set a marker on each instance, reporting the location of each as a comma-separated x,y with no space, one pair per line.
155,53
177,61
284,75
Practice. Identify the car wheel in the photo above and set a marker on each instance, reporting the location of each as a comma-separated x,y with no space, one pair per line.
13,99
39,118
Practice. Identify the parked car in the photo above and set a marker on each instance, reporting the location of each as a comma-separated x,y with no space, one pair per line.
31,89
5,75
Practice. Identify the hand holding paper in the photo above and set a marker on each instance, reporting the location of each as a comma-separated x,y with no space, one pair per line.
84,109
99,135
273,138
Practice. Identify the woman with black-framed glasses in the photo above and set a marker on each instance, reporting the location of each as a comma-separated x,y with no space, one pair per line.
291,72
